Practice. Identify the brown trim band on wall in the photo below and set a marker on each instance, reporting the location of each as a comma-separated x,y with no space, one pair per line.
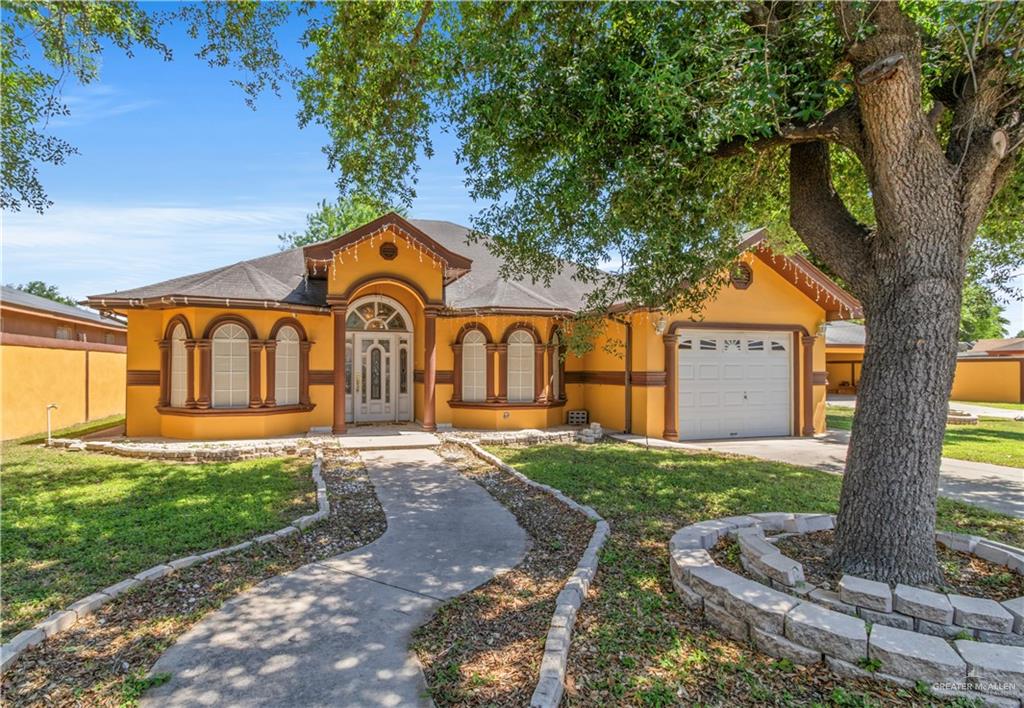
442,376
321,377
820,378
648,378
615,378
143,377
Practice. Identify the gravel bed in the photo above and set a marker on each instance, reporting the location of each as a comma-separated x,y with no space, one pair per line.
102,660
485,647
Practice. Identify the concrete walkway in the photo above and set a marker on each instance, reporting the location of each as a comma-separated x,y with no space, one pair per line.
990,486
336,632
983,411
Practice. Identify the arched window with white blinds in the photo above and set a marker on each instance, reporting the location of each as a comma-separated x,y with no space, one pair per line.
520,367
474,366
286,367
230,367
179,367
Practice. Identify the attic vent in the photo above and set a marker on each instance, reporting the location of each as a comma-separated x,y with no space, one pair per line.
388,251
742,276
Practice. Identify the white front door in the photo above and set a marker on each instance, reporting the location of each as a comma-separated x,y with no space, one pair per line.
381,377
734,384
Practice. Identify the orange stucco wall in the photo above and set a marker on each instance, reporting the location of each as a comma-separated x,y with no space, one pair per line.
33,377
415,280
997,380
993,379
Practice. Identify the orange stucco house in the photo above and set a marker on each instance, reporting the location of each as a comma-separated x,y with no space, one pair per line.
405,321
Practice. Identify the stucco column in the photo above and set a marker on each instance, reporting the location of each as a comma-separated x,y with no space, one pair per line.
553,393
457,375
429,368
340,312
502,372
539,380
255,352
304,372
671,431
190,373
205,372
271,399
492,393
165,370
808,381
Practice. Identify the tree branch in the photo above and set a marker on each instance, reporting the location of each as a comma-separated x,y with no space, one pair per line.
822,221
838,126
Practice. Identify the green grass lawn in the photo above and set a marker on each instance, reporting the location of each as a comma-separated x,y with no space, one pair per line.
74,523
1007,406
997,441
635,643
74,431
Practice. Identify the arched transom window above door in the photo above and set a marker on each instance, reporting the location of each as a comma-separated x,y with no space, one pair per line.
376,314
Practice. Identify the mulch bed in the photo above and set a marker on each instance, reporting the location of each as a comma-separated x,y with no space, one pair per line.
102,660
963,573
485,647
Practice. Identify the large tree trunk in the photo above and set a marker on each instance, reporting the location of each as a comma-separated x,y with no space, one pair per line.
886,524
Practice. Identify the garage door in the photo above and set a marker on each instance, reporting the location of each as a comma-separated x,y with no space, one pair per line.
734,384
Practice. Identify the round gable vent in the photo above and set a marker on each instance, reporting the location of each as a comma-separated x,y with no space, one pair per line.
388,251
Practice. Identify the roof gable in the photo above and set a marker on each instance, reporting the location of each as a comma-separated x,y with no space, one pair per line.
807,278
317,254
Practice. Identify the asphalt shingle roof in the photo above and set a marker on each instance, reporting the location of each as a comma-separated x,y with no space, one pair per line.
280,278
20,297
848,334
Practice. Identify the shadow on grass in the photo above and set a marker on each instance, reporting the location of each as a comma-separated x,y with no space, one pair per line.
75,522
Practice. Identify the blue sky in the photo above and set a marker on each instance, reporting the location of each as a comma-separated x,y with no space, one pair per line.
176,175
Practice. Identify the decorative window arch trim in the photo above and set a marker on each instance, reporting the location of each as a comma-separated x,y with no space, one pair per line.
221,320
174,322
471,326
516,326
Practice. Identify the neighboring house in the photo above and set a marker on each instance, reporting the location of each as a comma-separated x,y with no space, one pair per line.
56,353
405,321
991,371
844,356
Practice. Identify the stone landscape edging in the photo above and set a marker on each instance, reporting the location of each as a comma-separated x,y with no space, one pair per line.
551,684
801,630
199,451
65,619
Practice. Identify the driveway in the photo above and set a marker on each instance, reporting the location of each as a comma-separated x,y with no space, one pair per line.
986,411
336,632
990,486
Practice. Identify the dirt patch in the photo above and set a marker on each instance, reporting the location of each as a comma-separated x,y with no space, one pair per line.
963,573
485,647
102,660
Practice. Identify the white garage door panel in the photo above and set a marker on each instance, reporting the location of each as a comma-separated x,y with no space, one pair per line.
734,384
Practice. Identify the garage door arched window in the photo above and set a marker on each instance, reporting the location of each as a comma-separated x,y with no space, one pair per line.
474,367
179,368
520,367
230,367
286,367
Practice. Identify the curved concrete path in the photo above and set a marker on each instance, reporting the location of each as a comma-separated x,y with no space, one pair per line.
336,632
